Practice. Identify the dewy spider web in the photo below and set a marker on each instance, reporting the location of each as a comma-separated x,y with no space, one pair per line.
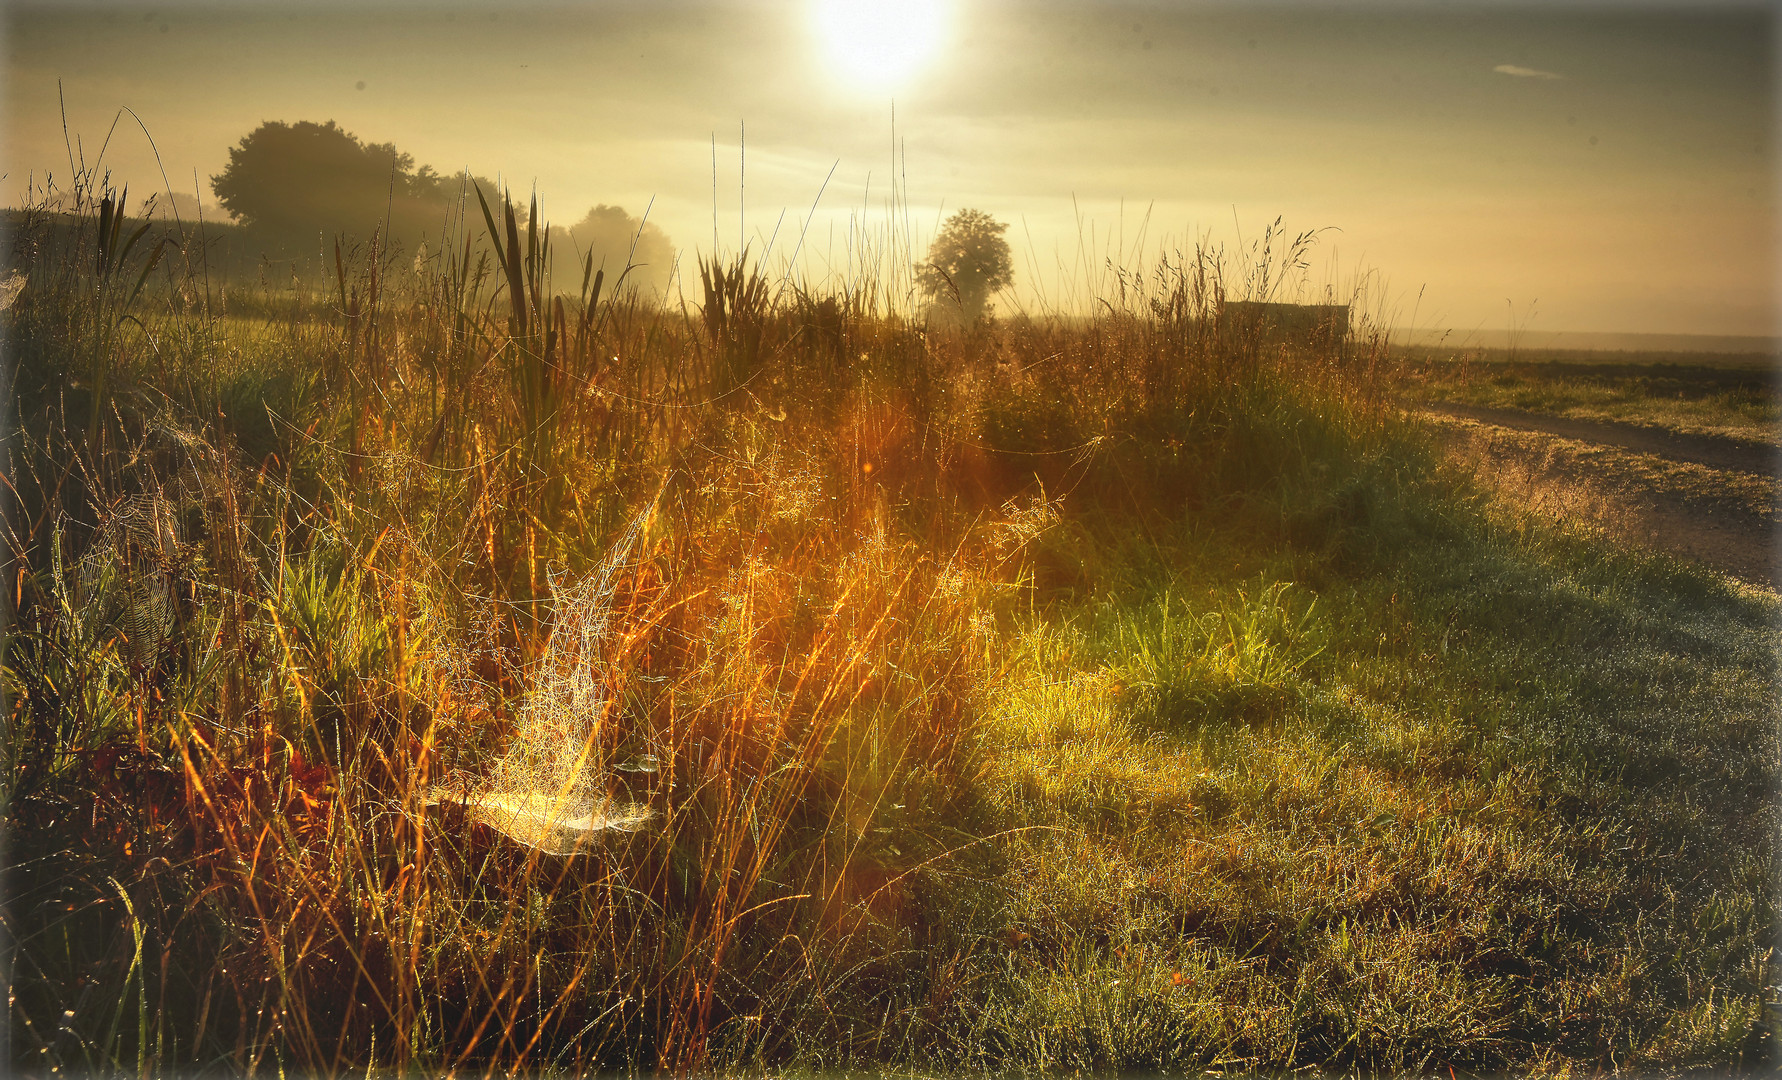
126,573
548,789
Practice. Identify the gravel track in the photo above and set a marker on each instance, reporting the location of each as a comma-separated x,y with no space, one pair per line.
1712,499
1714,451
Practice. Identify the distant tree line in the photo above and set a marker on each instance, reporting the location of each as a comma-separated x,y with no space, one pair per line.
296,187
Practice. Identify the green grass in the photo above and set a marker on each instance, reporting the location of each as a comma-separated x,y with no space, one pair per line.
1445,813
1044,695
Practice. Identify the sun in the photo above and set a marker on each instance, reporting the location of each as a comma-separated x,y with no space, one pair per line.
880,44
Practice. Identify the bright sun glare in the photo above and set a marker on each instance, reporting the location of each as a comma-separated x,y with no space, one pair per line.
879,44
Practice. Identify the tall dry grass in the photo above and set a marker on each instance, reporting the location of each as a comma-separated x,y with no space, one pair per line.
277,584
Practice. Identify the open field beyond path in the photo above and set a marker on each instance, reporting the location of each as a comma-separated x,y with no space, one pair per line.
1704,497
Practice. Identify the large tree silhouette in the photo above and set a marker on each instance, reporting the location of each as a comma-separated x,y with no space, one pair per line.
296,187
967,262
293,184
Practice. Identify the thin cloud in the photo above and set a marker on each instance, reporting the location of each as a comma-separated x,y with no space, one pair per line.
1525,73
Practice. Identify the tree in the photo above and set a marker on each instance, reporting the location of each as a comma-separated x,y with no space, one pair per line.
616,239
967,262
292,183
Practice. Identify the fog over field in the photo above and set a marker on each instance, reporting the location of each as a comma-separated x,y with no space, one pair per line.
1581,168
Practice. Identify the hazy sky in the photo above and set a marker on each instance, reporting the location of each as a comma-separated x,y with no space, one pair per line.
1599,167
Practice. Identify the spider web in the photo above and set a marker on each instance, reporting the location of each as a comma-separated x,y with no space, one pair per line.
548,789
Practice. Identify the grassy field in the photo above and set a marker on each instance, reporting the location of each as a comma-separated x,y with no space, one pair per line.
1734,396
468,675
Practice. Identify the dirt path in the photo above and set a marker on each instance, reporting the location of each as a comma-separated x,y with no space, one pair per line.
1715,500
1717,452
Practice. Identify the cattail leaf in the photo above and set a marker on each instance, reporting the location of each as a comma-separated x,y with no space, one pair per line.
552,323
464,272
541,263
105,212
130,244
494,233
531,234
117,225
149,264
516,290
593,301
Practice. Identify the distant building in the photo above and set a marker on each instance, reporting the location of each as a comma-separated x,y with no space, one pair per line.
1307,323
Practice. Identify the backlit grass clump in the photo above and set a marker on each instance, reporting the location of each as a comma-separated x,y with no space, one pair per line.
1046,694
